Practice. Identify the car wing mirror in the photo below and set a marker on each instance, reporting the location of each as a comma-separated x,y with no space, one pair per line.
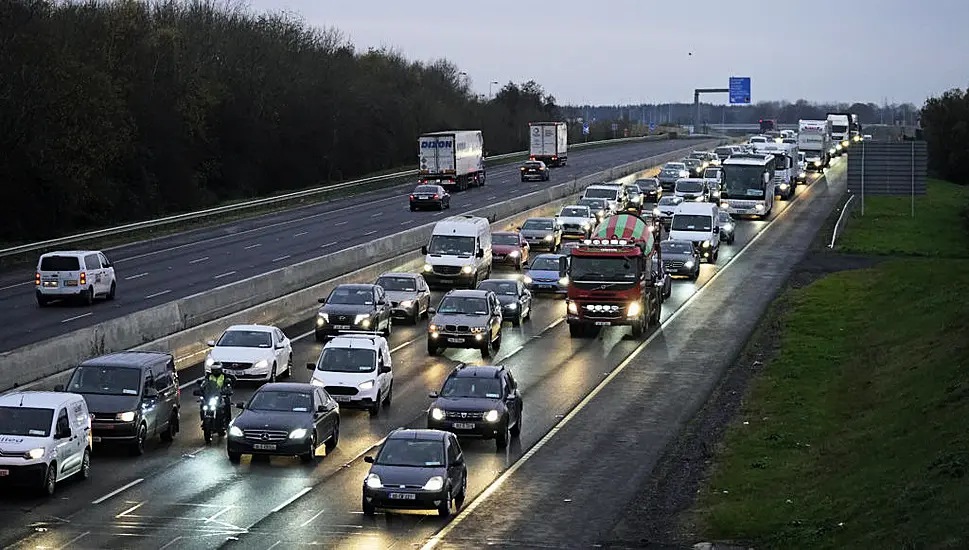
151,393
321,408
241,406
480,253
433,395
210,343
310,366
322,300
432,310
368,459
384,369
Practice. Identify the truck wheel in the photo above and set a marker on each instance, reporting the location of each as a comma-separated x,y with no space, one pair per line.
576,331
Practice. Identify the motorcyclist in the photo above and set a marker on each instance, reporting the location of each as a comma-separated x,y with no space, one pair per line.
217,382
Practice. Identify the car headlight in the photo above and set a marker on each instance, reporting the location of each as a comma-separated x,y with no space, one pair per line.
573,309
601,213
373,481
467,270
234,431
527,280
407,303
317,382
706,244
514,254
361,318
634,309
688,264
298,433
436,483
656,212
491,416
844,143
564,280
759,206
478,330
728,227
432,328
512,306
817,163
548,238
209,361
366,385
35,453
213,403
125,416
586,225
437,414
264,364
802,175
783,186
428,268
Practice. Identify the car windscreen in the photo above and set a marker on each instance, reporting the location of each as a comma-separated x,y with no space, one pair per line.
463,305
104,380
603,269
281,401
507,288
245,339
545,264
689,187
425,190
351,296
60,263
676,247
415,453
505,240
692,222
26,421
723,152
692,162
592,203
646,185
609,194
668,201
537,225
483,388
347,360
574,212
451,245
400,284
674,166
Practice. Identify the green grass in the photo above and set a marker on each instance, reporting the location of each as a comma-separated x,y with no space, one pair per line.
855,435
888,228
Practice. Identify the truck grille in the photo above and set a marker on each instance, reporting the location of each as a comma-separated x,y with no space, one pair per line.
265,435
447,269
464,415
340,390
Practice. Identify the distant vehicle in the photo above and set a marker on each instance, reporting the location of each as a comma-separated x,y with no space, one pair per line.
867,137
699,224
515,299
695,166
576,221
768,125
453,159
509,248
429,196
599,207
549,142
74,275
801,167
671,172
356,370
466,319
285,419
814,140
611,193
353,307
680,259
459,252
724,152
728,227
785,167
747,185
692,190
650,188
409,295
758,139
542,233
535,170
252,352
840,131
542,275
478,401
712,178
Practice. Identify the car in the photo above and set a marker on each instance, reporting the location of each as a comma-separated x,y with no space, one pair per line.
81,275
665,281
542,275
599,207
45,438
131,395
285,419
542,233
416,470
654,222
665,209
680,259
509,248
635,196
575,221
535,170
708,158
801,168
356,370
614,194
252,352
695,166
353,307
409,295
728,227
650,189
515,299
466,319
429,196
724,152
671,172
692,190
712,176
478,401
459,252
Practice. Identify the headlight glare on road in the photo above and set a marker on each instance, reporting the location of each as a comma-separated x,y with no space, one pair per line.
492,416
437,414
298,433
436,483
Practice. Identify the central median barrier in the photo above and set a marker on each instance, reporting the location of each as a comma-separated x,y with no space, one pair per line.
281,297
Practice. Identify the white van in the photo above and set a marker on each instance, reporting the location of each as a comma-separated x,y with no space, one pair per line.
356,370
698,222
45,438
613,194
75,274
459,252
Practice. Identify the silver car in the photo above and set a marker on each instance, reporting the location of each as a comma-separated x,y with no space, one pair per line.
466,319
665,208
543,233
409,295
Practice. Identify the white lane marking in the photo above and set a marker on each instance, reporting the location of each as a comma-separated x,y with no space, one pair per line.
138,276
251,246
16,285
132,509
217,514
328,245
76,317
406,222
117,491
497,483
73,540
281,258
291,500
176,539
492,197
344,222
301,233
275,544
197,260
377,215
404,345
368,233
157,294
226,274
309,521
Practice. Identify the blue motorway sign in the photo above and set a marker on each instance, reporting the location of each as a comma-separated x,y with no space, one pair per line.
652,126
739,89
585,129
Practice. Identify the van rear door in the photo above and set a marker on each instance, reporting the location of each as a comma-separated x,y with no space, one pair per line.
58,271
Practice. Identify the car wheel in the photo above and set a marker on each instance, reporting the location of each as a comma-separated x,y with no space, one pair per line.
368,509
234,458
289,365
113,290
389,397
431,348
169,434
389,329
412,209
415,318
517,321
85,472
310,455
50,480
459,498
486,350
374,409
444,509
138,447
334,440
88,297
516,430
272,374
501,440
42,301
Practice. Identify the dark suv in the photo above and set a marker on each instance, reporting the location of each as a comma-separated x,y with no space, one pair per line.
478,401
354,307
466,319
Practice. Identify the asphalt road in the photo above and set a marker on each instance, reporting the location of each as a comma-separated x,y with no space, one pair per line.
154,272
188,495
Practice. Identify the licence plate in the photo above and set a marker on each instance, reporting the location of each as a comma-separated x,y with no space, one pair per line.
264,447
549,287
4,473
341,327
70,283
403,496
456,340
464,425
603,323
341,398
96,439
423,197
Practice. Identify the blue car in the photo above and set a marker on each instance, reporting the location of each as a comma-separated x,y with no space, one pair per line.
542,274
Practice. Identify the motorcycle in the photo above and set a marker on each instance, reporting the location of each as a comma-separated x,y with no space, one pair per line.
212,412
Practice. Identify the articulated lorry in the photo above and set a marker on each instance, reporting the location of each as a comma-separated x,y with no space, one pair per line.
840,131
615,278
453,159
814,140
548,142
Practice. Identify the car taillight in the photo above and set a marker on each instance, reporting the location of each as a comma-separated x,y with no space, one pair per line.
436,196
412,197
37,279
83,278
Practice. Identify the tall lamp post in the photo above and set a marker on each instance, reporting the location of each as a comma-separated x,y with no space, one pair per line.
490,84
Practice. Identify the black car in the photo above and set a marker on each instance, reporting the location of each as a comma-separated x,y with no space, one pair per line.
429,196
416,470
478,401
354,307
680,259
650,189
515,299
285,419
728,227
466,319
535,170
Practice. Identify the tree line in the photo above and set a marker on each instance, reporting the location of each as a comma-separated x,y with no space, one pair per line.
945,126
114,111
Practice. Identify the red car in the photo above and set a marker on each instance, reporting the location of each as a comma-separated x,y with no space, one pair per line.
509,248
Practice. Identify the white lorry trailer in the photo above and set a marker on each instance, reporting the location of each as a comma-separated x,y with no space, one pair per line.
814,140
453,159
548,142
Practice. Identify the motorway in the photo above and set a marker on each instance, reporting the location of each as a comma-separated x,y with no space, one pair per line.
158,271
188,495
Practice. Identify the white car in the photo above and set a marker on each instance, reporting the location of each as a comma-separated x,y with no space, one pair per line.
76,274
356,370
252,352
576,221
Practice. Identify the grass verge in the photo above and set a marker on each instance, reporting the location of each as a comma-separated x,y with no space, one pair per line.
888,228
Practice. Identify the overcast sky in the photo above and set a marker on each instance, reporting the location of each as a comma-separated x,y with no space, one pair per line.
632,51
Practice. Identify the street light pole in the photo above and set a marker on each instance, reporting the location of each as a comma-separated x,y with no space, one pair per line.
490,84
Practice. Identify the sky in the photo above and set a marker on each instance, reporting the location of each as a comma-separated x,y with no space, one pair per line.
650,51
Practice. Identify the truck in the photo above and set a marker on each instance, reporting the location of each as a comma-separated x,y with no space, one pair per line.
615,278
767,125
814,140
549,142
856,130
786,168
453,159
840,131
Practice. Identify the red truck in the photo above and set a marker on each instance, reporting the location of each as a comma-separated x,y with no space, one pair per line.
615,278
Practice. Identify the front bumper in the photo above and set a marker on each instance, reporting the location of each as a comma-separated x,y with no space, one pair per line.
118,432
508,312
506,259
22,473
363,399
476,428
421,499
457,340
404,312
547,286
541,243
330,330
288,447
532,176
459,278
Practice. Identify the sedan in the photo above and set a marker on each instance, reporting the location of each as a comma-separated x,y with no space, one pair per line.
535,170
665,209
695,166
599,207
650,188
542,233
509,248
354,307
252,352
515,299
285,419
680,259
671,172
409,295
429,196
